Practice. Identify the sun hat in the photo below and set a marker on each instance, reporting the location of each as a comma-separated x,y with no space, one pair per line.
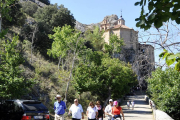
115,103
58,95
110,100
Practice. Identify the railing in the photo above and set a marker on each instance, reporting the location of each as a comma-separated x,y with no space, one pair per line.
157,114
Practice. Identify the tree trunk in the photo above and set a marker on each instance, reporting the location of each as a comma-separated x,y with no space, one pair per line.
0,22
70,74
34,33
109,97
59,62
0,31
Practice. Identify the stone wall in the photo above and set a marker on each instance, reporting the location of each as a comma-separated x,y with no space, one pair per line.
157,114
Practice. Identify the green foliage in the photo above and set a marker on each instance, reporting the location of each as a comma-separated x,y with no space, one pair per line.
47,18
15,16
159,11
171,58
164,89
12,83
54,15
5,7
65,39
115,44
96,38
29,8
112,76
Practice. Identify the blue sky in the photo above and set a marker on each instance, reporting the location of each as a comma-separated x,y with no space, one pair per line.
93,11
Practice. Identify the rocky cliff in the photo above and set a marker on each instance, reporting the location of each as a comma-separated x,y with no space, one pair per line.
83,27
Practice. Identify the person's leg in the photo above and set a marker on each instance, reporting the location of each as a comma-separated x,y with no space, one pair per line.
57,117
100,118
75,119
61,117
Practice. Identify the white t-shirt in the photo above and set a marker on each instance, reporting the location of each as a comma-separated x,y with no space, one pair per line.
127,103
92,112
108,109
76,111
132,103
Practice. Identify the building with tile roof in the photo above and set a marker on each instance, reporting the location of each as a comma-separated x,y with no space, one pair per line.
141,56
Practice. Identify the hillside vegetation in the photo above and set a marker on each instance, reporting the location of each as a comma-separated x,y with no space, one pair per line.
57,58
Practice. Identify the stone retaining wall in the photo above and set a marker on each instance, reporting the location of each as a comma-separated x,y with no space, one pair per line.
157,114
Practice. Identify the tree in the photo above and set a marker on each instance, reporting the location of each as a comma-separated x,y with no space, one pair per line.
115,44
16,15
12,83
163,87
4,9
66,39
47,18
95,38
110,79
29,8
159,11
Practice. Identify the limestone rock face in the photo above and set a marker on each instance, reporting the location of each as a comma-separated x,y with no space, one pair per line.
84,27
80,26
111,18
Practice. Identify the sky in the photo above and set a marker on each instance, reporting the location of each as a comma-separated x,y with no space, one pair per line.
94,11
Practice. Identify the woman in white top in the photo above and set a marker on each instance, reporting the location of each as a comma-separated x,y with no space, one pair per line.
132,103
92,112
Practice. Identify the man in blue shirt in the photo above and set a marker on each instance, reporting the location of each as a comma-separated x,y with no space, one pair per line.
59,107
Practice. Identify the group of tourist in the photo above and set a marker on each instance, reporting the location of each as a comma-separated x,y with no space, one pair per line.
94,111
130,103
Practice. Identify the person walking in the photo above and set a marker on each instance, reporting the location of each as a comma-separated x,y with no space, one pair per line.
59,107
116,110
92,112
128,104
132,104
108,109
100,110
76,110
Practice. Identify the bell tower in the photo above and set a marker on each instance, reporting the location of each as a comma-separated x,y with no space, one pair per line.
121,20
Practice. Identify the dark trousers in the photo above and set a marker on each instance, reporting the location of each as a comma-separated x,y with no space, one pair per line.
116,116
75,119
92,119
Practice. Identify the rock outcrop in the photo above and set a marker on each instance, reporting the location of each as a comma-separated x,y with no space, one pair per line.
112,19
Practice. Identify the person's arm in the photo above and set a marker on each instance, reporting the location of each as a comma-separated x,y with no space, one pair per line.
106,111
54,107
70,110
96,114
82,115
112,112
103,113
87,112
122,114
64,106
82,112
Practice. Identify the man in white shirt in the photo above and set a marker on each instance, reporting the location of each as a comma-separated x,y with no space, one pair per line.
76,110
108,109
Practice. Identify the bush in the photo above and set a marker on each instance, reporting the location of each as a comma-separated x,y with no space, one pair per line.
29,8
164,88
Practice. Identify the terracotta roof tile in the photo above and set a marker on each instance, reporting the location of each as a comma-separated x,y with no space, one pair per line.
121,26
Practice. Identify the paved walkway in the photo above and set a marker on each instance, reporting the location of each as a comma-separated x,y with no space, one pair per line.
142,110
